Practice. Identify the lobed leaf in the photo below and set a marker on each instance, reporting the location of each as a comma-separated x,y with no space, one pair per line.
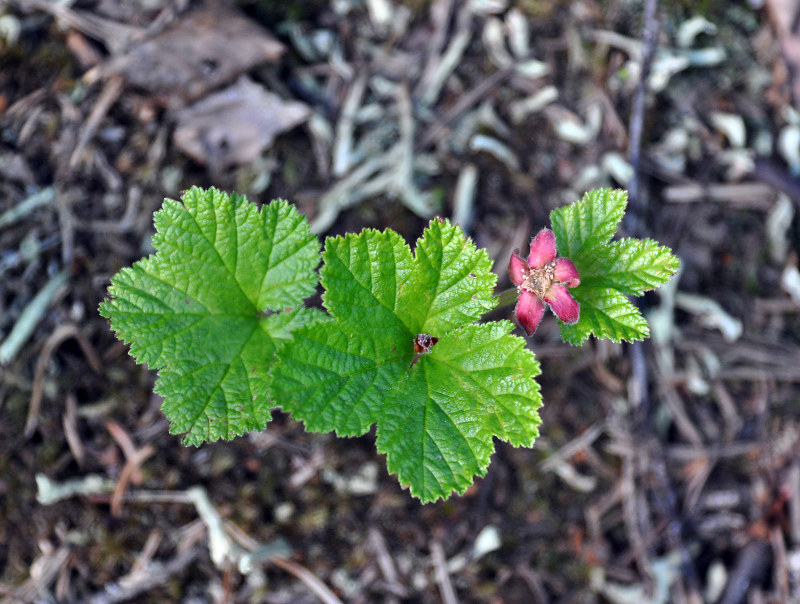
605,313
453,282
436,418
589,223
632,266
365,273
437,425
222,293
334,377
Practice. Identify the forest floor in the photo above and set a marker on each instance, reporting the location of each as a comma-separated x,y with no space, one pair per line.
666,471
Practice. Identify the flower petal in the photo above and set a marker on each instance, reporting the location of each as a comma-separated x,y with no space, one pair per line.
529,311
566,272
517,268
563,304
543,249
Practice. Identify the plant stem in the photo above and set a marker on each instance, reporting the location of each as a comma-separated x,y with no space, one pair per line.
506,298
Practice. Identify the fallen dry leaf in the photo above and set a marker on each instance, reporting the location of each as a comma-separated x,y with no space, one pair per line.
235,125
202,51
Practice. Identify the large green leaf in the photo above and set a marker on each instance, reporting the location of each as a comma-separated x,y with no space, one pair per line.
436,418
224,290
437,425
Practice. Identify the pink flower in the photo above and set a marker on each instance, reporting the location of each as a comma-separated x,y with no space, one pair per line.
544,280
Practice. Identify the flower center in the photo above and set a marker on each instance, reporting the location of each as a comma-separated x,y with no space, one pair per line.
539,280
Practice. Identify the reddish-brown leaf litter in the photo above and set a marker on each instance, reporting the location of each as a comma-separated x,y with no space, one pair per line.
667,471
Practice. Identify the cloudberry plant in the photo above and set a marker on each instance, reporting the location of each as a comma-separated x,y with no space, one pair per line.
219,311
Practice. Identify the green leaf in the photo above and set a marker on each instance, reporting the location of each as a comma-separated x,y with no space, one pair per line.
453,284
632,266
609,271
605,313
365,273
435,419
437,424
589,223
223,292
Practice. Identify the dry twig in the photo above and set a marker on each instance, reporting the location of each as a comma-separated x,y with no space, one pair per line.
59,335
442,574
